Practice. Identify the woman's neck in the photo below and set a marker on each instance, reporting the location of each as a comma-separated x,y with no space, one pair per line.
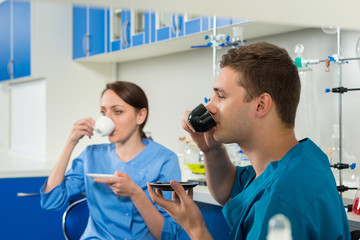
128,149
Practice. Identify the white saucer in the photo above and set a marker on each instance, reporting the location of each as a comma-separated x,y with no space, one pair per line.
99,175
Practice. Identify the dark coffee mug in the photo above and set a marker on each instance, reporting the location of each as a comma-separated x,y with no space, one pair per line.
200,119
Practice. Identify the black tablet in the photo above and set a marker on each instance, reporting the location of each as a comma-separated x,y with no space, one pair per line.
165,186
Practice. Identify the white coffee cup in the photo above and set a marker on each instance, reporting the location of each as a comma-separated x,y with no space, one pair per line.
104,126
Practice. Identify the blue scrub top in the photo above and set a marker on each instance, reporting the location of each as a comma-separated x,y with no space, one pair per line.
111,216
300,186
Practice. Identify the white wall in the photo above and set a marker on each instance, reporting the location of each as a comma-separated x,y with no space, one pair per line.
73,89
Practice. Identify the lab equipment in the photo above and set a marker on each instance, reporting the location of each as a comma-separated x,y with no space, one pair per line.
233,152
244,159
306,122
193,158
356,203
329,29
200,119
279,228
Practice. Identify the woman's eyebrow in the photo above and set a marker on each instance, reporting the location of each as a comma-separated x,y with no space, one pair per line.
113,106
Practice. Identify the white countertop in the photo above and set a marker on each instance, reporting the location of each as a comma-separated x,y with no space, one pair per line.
14,166
202,194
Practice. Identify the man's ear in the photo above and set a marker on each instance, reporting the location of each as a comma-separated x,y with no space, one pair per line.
141,116
264,104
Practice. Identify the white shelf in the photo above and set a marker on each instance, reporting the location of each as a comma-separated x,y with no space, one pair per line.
251,30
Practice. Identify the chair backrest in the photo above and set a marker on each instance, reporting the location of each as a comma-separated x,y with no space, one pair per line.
75,219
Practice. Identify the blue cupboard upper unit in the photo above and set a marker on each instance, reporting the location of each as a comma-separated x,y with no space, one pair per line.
128,34
90,31
120,28
169,26
15,40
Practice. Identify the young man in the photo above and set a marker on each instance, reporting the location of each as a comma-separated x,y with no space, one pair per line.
254,104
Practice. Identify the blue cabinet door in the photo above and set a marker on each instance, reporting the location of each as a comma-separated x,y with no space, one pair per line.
21,38
173,30
5,52
79,31
126,28
14,40
23,217
214,221
88,31
96,31
193,26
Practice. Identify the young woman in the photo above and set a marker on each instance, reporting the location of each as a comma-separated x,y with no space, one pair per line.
120,207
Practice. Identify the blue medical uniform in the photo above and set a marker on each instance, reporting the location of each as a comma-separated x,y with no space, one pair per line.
111,216
300,186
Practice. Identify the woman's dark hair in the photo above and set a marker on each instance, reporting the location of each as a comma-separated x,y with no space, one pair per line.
133,95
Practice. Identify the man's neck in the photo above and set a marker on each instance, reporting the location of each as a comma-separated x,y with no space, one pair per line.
270,147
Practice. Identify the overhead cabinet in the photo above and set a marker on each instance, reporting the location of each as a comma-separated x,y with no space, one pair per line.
169,25
131,35
15,41
89,31
120,28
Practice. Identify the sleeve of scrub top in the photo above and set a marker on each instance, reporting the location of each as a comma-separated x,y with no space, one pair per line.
72,184
169,171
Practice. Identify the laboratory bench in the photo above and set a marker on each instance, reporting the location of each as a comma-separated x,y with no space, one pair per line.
20,176
22,216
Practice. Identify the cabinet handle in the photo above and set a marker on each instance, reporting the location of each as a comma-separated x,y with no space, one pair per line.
27,194
175,24
124,33
10,68
86,44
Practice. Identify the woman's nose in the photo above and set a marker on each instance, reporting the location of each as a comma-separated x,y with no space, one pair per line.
108,114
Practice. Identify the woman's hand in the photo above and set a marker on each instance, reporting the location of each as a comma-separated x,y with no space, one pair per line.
121,184
183,210
205,141
81,128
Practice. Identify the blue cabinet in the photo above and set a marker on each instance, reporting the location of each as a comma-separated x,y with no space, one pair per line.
89,31
15,42
140,28
214,221
196,24
23,217
121,26
169,26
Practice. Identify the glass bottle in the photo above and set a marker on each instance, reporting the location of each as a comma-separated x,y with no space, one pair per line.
356,203
279,228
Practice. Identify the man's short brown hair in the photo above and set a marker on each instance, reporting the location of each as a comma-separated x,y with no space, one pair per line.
266,68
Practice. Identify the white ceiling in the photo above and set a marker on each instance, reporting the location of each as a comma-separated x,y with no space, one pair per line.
309,13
